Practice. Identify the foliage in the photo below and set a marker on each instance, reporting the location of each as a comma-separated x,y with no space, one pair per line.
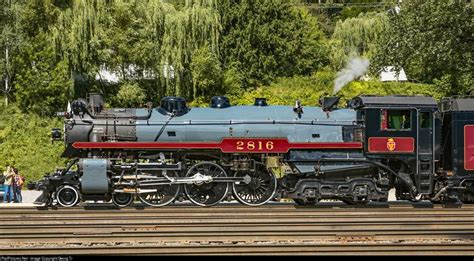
283,91
329,13
25,143
10,41
3,117
262,40
233,80
192,48
358,36
373,87
138,39
42,84
432,40
206,72
130,95
309,89
359,7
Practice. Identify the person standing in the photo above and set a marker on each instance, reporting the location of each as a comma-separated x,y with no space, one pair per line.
9,180
18,185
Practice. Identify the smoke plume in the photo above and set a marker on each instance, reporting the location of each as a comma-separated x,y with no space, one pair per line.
355,68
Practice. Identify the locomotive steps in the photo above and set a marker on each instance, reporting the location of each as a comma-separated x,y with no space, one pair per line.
230,229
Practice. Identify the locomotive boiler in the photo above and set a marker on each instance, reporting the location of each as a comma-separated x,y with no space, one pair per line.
258,153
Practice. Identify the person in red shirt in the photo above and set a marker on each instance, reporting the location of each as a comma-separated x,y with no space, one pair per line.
19,181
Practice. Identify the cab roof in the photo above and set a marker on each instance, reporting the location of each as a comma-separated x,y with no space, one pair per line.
394,100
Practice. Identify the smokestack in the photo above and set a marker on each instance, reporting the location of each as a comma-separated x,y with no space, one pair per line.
329,103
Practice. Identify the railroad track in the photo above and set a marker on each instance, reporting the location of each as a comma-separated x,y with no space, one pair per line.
232,229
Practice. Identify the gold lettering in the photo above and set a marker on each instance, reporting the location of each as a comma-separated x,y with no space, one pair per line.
270,145
251,145
240,145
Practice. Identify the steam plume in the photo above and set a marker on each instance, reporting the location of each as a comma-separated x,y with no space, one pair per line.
355,68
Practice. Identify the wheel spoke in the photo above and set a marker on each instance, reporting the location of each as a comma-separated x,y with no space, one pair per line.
206,194
164,195
260,190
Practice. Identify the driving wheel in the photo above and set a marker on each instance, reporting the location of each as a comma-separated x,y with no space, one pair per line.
206,193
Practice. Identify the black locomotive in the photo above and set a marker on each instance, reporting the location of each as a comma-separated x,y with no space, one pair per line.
258,153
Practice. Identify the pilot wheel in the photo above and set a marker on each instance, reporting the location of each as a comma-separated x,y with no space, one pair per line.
122,200
67,196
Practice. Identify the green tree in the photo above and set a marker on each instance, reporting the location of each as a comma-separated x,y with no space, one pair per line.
270,38
10,41
25,142
130,95
206,71
433,42
358,36
354,8
138,39
329,13
42,83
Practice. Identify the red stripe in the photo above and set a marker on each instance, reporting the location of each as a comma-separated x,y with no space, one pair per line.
144,145
327,145
227,145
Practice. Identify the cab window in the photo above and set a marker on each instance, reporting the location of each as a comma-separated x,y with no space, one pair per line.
395,120
425,120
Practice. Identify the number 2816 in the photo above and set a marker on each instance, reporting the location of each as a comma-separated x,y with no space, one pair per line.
255,145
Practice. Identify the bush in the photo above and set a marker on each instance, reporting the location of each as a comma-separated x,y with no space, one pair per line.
285,91
130,95
357,88
25,142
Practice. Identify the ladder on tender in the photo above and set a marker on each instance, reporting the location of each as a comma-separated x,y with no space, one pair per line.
425,172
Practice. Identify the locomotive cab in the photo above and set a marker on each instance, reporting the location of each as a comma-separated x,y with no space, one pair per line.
402,132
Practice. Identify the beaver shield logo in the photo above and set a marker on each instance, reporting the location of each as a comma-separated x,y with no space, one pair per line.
391,145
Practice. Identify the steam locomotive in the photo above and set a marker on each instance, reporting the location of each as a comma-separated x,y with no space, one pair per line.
255,154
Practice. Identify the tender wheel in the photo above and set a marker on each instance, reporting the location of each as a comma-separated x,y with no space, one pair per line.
122,199
261,189
164,195
206,194
67,196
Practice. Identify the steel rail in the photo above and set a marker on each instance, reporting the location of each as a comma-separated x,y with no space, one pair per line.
273,229
223,207
411,248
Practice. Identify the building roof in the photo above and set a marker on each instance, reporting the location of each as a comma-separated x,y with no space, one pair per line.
389,74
